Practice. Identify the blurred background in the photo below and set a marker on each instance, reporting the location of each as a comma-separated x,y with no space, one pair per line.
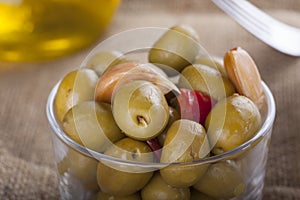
30,65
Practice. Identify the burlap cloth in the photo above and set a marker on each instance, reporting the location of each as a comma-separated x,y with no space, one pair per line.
26,158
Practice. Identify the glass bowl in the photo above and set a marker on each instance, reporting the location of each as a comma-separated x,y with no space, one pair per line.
241,170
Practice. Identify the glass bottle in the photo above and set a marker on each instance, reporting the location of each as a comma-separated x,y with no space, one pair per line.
37,30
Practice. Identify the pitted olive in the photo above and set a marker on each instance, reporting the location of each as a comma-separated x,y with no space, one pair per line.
176,49
122,180
81,167
158,189
232,122
186,141
92,124
77,86
223,180
212,62
207,80
103,60
140,110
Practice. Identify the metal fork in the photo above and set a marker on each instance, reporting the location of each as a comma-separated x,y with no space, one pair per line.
278,35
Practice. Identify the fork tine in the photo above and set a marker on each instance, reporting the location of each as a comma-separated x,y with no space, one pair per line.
241,7
282,37
251,23
262,17
234,11
241,15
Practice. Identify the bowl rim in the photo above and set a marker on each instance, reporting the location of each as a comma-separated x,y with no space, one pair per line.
59,133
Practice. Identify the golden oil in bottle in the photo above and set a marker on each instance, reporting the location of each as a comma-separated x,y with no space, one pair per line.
37,30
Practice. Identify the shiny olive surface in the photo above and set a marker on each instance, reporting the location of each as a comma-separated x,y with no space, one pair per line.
92,124
103,60
120,180
207,80
140,110
80,167
103,196
232,122
158,189
77,86
222,180
176,49
186,141
212,62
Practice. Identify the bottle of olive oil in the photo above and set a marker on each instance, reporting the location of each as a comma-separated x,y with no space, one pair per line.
37,30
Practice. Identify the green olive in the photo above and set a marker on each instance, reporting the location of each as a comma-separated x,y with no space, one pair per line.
212,62
92,124
140,110
196,195
103,60
232,122
158,189
122,180
186,141
222,180
81,167
103,196
176,49
207,80
174,115
77,86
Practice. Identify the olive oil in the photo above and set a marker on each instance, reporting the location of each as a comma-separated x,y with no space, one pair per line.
37,30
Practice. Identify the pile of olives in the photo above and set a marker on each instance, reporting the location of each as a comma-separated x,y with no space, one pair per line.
134,112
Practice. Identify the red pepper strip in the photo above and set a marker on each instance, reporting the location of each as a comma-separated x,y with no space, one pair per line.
194,105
